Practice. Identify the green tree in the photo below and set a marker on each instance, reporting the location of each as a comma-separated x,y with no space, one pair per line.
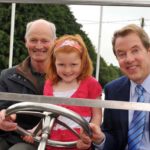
108,72
65,23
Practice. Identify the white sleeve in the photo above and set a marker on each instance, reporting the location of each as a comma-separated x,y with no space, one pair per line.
100,146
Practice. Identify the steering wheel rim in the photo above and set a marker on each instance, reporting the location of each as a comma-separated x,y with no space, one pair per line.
53,109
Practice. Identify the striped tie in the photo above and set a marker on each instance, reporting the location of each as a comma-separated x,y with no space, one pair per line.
136,127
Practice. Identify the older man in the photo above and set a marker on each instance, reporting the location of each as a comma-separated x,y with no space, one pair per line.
26,78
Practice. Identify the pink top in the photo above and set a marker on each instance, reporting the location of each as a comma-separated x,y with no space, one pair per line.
89,88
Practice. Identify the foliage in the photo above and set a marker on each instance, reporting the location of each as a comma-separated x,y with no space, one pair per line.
65,23
108,72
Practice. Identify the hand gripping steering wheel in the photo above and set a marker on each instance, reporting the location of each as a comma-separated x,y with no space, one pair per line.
47,121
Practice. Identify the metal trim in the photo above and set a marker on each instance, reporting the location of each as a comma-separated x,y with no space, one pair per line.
140,3
110,104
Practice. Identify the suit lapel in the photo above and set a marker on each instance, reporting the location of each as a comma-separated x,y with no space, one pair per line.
124,93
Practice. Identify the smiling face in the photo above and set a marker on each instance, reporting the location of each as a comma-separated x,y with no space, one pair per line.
68,66
133,57
38,41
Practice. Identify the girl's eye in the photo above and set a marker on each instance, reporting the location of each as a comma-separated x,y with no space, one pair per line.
60,64
74,65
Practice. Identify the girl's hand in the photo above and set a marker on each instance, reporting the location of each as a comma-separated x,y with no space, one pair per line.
84,142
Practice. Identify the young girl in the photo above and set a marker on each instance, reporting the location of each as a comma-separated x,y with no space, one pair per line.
70,75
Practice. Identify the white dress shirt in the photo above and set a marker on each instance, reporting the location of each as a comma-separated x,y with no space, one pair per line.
145,143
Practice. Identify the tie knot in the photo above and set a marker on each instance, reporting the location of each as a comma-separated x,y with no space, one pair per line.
139,89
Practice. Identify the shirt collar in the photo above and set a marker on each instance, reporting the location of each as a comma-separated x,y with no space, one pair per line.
145,84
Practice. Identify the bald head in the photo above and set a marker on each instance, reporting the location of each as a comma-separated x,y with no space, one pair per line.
41,25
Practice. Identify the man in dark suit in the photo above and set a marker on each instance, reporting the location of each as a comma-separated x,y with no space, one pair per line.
131,47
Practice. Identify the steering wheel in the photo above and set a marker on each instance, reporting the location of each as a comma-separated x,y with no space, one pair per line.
48,118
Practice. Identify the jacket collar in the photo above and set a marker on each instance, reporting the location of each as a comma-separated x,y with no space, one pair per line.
24,69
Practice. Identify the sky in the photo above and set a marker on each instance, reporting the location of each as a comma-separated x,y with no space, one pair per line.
113,18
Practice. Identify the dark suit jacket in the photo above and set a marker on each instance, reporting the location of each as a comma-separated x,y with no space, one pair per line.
115,125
